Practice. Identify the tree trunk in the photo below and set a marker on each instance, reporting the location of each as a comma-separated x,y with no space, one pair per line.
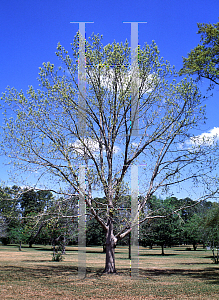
162,249
63,245
194,246
54,250
33,237
20,246
110,248
129,245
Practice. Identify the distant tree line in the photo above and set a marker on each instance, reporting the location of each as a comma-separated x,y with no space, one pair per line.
37,217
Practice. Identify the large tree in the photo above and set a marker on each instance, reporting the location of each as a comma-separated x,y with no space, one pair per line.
43,131
203,60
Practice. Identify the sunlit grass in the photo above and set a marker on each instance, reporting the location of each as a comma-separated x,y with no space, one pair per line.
180,274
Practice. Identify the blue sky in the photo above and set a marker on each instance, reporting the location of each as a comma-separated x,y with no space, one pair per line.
30,31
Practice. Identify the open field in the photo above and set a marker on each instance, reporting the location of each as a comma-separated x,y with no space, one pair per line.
30,274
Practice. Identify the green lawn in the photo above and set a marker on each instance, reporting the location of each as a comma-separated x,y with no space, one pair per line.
180,274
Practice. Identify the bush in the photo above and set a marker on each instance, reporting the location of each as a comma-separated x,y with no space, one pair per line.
57,254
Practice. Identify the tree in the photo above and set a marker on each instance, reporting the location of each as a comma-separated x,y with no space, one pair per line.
32,204
3,228
211,226
9,212
193,231
203,60
44,132
162,231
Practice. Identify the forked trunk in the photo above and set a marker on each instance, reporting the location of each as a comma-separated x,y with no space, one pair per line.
110,248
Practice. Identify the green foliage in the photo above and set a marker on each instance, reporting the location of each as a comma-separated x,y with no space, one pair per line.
192,225
34,202
193,230
10,214
211,225
203,60
95,234
163,230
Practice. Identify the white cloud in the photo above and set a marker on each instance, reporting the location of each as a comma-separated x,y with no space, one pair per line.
91,144
134,144
116,149
206,138
107,79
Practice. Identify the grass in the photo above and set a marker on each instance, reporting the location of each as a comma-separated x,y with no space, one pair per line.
180,274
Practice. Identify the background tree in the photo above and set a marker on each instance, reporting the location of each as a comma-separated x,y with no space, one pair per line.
3,228
9,211
211,226
43,130
162,231
194,231
32,204
193,227
203,60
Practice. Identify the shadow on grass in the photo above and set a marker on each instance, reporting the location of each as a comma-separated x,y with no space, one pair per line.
184,250
209,275
69,249
159,255
94,251
194,264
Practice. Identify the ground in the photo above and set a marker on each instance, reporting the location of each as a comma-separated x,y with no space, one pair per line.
180,274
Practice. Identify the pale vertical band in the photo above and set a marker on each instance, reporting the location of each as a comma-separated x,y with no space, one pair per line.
81,130
135,78
82,79
82,225
134,222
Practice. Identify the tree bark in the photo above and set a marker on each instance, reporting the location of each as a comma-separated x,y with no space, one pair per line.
162,249
130,245
194,246
63,245
33,237
110,248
